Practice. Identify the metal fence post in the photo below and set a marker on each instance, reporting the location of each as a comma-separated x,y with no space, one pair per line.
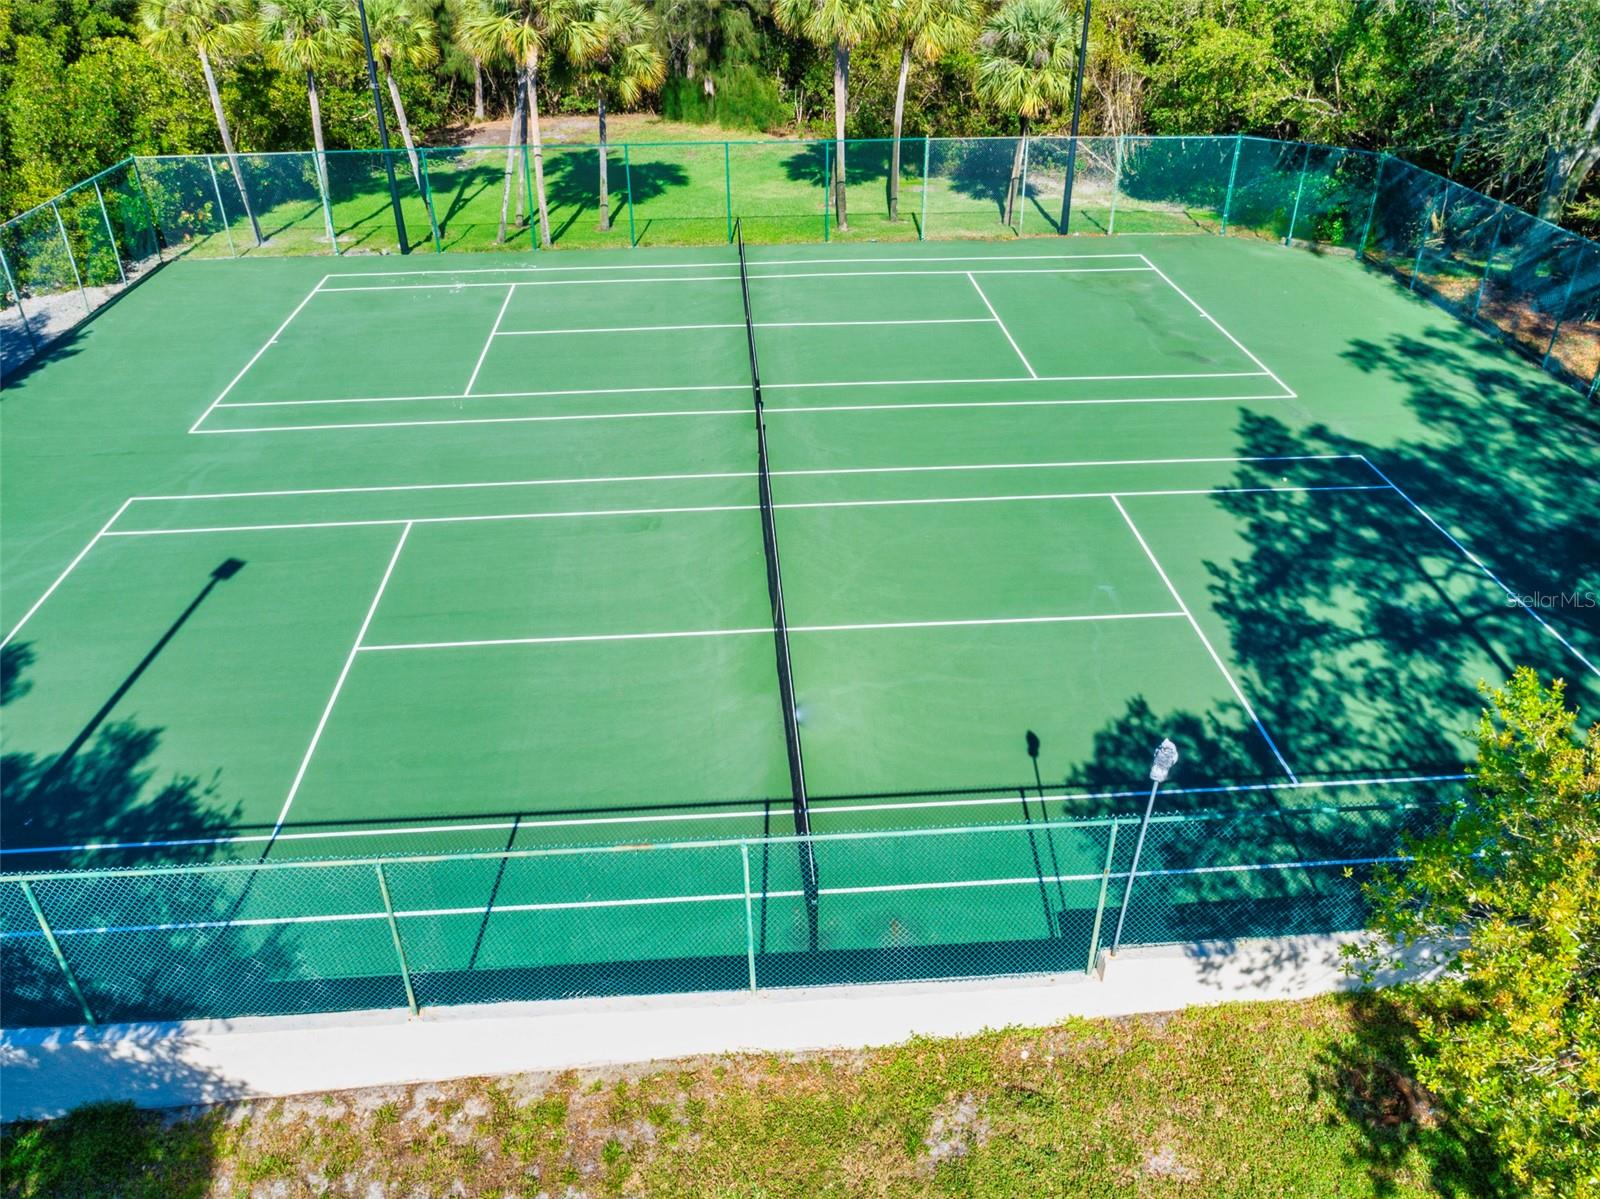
55,948
394,932
727,187
11,285
427,198
922,226
222,210
627,183
1372,209
110,233
1116,185
1100,904
1561,315
1488,262
749,916
1022,188
1294,215
72,259
1233,173
827,185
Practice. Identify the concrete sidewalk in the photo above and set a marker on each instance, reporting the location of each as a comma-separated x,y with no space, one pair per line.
45,1072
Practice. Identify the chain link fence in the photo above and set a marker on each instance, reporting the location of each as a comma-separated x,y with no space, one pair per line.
314,935
1534,284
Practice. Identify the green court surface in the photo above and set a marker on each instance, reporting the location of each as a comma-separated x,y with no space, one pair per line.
504,583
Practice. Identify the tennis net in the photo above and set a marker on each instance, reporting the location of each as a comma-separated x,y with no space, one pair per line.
780,624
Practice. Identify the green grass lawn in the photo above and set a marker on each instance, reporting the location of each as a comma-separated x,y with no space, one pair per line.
1263,1099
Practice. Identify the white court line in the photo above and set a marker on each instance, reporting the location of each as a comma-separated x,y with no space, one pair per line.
271,341
741,387
1026,364
1478,562
1204,640
734,278
937,320
674,266
327,711
766,631
489,341
1292,394
740,412
823,810
737,474
62,577
697,508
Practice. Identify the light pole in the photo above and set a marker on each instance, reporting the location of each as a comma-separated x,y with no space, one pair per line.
1166,758
383,130
1077,107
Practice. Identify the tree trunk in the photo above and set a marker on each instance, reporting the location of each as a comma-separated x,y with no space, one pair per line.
538,145
511,162
1569,168
1015,181
524,200
227,142
322,157
405,125
841,98
605,192
477,89
899,122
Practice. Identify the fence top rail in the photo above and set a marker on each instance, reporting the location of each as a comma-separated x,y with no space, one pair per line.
82,183
1013,829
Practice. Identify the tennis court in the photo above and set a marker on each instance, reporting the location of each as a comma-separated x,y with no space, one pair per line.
409,556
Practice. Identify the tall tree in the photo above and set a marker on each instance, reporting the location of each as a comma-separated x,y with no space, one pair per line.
614,53
927,31
403,31
843,25
310,36
522,30
1026,57
205,28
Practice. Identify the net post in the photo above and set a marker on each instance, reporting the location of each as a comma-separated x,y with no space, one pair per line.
627,183
727,185
72,259
1116,185
922,226
1372,209
149,208
749,916
1561,316
394,933
1233,174
55,949
827,189
110,233
427,198
1422,240
11,284
1294,215
1100,904
222,209
1488,262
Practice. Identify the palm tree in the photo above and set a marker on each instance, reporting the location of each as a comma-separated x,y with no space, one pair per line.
614,51
205,27
1025,63
521,30
403,31
310,36
928,30
844,25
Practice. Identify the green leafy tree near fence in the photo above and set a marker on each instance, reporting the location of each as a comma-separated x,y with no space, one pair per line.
613,55
1026,58
1510,1039
927,31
